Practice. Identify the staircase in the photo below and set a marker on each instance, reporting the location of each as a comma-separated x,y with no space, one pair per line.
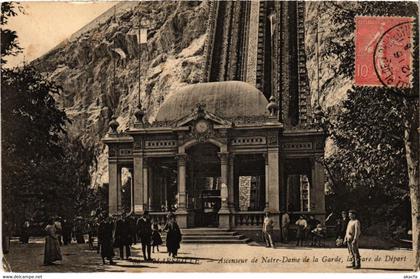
211,236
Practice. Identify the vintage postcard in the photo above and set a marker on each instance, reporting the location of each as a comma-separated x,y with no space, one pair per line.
210,136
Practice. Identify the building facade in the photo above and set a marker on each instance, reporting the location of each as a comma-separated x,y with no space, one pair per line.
224,151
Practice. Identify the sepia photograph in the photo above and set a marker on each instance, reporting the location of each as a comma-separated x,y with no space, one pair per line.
210,136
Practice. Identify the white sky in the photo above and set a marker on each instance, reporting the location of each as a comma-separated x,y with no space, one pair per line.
46,24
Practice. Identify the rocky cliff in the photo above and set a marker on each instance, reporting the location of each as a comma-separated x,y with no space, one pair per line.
332,88
98,67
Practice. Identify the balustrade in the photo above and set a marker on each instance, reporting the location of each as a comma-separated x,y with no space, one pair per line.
249,218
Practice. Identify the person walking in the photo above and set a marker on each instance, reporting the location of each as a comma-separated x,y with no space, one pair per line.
59,227
79,230
301,228
132,224
156,238
352,237
123,237
24,237
268,226
5,236
105,239
91,230
341,228
52,251
144,228
66,232
285,223
173,236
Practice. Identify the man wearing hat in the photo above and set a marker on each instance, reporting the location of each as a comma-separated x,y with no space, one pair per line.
352,238
123,238
267,230
144,228
341,228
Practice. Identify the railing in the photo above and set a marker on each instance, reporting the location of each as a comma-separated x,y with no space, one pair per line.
248,218
159,217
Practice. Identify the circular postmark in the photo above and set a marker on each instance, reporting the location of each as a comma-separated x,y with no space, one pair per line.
393,56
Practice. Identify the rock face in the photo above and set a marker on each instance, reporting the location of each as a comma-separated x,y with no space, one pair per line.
333,88
98,67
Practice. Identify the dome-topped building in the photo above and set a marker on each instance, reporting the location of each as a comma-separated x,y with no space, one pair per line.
222,152
227,99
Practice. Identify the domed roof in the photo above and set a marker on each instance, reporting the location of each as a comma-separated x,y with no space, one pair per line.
227,99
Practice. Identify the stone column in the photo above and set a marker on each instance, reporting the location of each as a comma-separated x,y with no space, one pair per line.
165,193
182,159
151,185
274,188
146,184
182,214
231,185
236,196
119,192
191,195
113,186
224,213
138,183
273,179
191,189
131,189
317,196
267,190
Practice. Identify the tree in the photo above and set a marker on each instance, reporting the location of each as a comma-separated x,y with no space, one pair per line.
9,42
31,130
67,190
360,138
369,162
43,170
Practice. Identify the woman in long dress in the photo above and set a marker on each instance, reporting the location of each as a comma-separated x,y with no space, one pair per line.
156,238
52,251
105,239
173,236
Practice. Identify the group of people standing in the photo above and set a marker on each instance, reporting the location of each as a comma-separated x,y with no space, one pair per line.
129,230
310,228
348,231
117,232
61,232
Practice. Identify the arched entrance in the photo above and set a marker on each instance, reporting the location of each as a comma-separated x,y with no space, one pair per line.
204,184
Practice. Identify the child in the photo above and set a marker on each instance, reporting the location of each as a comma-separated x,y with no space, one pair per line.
156,239
318,234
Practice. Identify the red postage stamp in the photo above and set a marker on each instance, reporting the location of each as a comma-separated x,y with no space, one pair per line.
384,51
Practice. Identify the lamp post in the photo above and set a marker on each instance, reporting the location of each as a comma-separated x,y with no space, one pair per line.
141,40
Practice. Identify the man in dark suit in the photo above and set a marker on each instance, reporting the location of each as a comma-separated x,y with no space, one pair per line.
132,223
144,228
123,238
341,226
